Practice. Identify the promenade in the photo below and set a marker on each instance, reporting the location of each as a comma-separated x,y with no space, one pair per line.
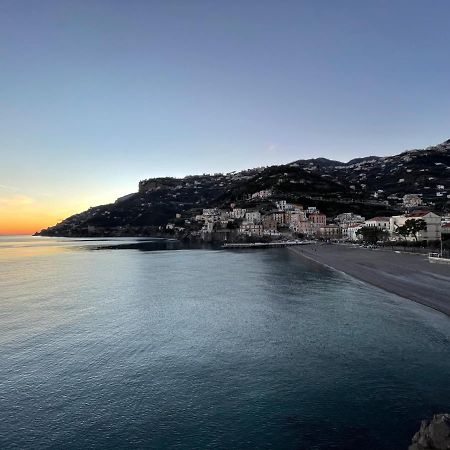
410,276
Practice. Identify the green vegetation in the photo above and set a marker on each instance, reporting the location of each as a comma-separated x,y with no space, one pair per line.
371,235
411,228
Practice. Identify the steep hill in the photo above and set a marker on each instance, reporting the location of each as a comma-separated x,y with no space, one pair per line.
371,185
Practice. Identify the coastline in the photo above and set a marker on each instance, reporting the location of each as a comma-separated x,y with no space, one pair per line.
410,276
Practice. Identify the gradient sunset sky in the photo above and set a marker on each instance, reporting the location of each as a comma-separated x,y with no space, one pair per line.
96,95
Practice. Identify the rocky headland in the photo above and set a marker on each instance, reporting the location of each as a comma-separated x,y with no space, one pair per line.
434,434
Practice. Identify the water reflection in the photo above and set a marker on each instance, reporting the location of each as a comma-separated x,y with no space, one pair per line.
207,349
30,246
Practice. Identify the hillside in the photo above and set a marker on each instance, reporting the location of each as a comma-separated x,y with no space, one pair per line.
371,185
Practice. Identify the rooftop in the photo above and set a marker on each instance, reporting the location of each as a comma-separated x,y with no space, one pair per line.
379,219
418,214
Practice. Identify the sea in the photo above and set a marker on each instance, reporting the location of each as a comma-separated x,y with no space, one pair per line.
145,344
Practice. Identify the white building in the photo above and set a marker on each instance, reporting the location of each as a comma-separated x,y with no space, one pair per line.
208,227
266,193
433,222
383,223
281,205
238,213
251,229
350,232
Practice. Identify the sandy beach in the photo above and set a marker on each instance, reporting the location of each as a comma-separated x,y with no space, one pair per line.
410,276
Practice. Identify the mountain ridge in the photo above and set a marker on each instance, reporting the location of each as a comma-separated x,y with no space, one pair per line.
370,184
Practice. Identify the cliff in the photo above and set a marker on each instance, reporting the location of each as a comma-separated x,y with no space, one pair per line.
434,434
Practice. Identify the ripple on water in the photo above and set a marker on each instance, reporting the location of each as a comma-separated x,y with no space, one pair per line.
208,349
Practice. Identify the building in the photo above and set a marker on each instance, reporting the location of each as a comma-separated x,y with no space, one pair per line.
445,229
256,229
350,232
208,212
266,193
251,229
318,219
208,227
433,222
224,215
294,216
331,231
412,201
305,228
281,205
279,217
294,220
238,213
269,223
349,218
381,222
253,216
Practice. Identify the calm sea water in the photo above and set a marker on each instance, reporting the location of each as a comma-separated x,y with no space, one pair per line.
197,349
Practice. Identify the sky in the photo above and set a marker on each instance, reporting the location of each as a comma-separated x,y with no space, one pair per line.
96,95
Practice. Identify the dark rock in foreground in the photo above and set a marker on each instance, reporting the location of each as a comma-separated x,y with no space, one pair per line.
434,434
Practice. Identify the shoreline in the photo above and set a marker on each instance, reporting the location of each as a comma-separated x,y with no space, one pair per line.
410,276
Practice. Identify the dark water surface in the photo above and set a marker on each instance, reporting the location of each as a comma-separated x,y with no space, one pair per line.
197,349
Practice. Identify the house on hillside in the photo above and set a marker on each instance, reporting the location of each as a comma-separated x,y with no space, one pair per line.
411,201
238,213
269,223
266,193
317,220
253,216
349,218
279,217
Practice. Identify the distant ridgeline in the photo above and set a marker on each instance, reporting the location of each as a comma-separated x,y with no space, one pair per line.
368,186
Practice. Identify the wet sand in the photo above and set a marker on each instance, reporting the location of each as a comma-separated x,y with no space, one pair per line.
408,275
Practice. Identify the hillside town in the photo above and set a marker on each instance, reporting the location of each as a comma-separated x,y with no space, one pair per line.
312,199
273,219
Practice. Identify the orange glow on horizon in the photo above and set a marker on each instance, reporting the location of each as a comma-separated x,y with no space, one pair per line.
27,224
22,228
24,215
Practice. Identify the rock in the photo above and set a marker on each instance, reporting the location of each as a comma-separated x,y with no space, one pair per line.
433,434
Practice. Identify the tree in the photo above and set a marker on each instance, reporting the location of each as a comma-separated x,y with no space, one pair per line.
411,227
403,231
371,235
415,226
